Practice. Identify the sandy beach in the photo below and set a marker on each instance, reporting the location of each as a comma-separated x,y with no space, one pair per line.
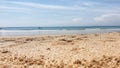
61,51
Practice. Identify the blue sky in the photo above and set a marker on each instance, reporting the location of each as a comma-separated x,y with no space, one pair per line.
59,13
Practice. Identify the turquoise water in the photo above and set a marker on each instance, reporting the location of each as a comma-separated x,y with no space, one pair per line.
25,31
60,28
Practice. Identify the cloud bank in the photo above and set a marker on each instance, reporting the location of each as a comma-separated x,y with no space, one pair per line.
110,19
55,12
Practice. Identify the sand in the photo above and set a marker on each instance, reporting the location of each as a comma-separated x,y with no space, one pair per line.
61,51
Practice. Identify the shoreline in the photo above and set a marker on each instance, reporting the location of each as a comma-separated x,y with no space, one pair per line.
52,35
64,51
54,32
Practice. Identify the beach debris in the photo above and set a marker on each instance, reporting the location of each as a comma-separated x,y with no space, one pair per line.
48,49
29,39
77,62
5,51
66,40
76,49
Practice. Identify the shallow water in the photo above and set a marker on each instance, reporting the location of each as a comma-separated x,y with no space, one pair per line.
53,32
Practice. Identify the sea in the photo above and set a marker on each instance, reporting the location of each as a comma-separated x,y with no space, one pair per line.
26,31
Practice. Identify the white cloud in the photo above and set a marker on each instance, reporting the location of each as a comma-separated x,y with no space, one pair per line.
38,5
90,3
31,5
12,8
108,18
4,9
76,20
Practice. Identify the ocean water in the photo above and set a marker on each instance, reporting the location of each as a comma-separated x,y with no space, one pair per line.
24,31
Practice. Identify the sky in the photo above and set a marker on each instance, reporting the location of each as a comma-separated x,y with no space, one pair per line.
17,13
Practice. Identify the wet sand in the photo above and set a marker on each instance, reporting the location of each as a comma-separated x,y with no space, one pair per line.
61,51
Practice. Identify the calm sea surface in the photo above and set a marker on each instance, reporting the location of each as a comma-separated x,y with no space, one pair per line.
23,31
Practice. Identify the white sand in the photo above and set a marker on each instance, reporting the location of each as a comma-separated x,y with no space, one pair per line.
64,51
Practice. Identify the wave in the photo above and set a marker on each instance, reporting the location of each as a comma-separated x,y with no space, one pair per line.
13,31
